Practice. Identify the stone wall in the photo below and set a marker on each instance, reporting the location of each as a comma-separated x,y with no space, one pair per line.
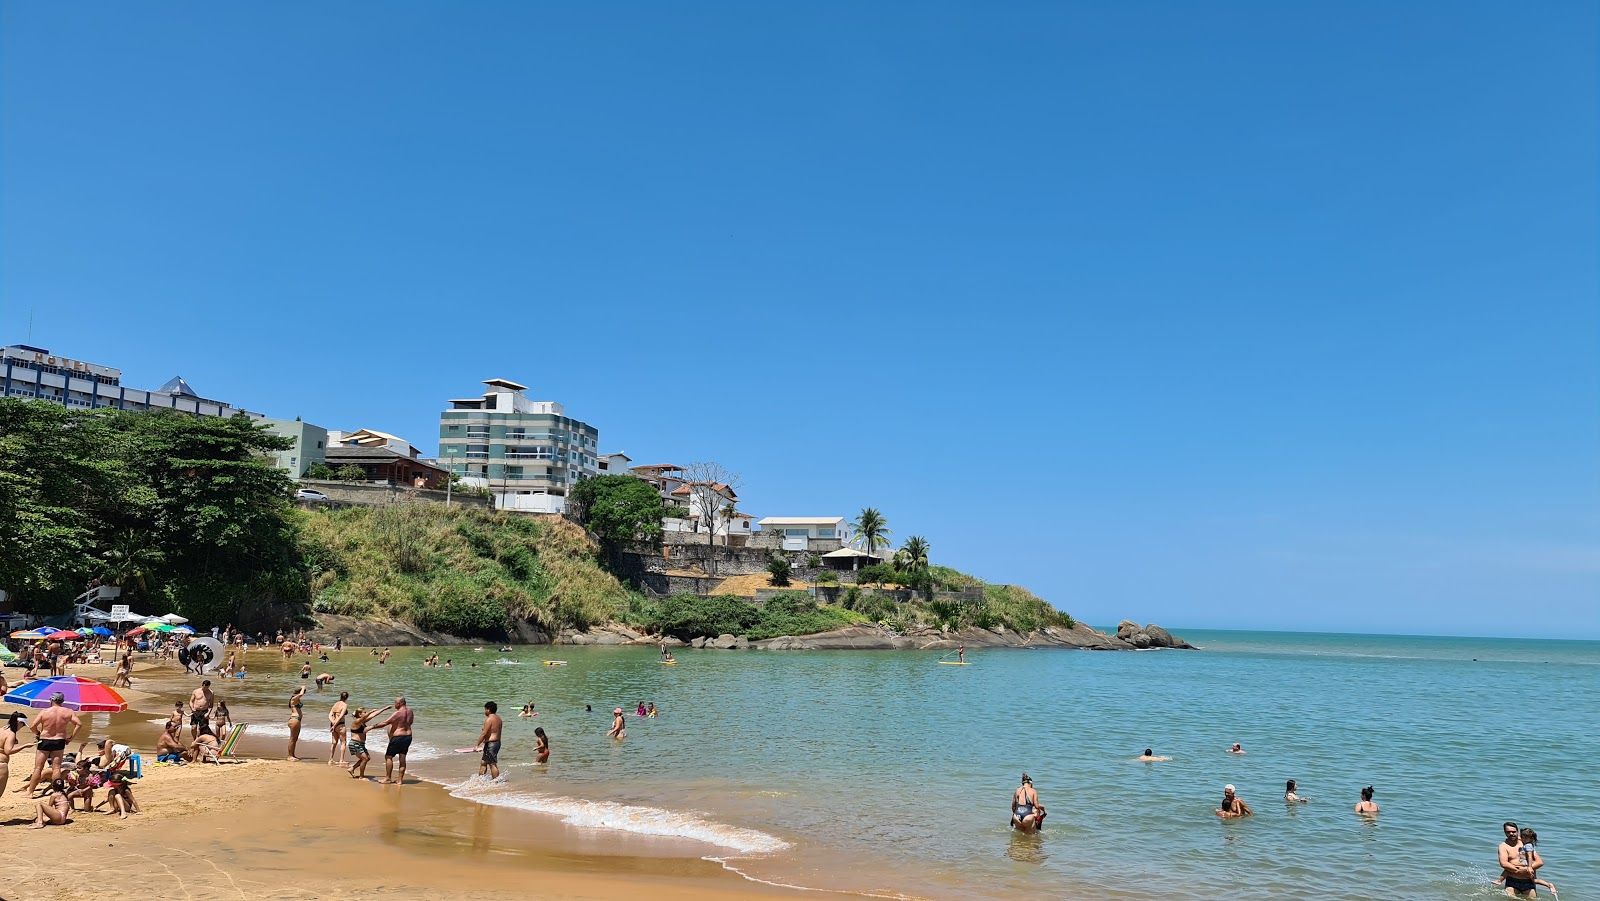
360,494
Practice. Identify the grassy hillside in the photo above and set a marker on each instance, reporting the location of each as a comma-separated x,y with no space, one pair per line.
465,570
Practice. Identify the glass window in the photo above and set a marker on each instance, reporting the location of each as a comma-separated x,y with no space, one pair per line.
826,533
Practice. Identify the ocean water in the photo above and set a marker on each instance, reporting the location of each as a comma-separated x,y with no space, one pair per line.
888,774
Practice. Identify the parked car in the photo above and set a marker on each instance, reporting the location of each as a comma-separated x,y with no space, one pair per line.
309,494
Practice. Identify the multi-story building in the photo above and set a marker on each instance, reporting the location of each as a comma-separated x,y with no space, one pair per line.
35,373
528,453
310,445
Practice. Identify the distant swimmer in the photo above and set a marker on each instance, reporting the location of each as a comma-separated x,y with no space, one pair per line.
1236,749
305,672
384,657
1366,804
619,724
1149,756
652,709
1027,814
1292,796
527,710
1233,806
541,747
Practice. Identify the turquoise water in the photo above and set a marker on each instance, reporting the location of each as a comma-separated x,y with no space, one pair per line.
884,771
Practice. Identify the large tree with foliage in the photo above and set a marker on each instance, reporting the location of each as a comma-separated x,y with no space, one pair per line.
57,478
619,508
913,555
871,530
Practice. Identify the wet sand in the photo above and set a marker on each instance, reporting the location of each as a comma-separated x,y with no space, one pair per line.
270,828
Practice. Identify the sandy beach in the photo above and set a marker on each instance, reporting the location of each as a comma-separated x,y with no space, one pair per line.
269,828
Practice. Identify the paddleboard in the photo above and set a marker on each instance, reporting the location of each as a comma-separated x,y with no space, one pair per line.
555,663
465,750
669,663
953,663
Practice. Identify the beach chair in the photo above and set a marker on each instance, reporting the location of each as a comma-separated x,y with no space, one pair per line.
226,750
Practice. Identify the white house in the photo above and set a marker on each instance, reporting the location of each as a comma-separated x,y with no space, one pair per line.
722,519
798,531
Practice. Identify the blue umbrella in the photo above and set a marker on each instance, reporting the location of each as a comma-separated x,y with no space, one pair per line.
184,629
101,630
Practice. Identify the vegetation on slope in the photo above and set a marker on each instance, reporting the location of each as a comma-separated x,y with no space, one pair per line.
465,570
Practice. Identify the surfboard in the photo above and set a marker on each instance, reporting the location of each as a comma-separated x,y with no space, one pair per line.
555,663
669,663
953,663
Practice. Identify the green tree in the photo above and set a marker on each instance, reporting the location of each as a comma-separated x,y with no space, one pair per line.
130,563
619,509
871,530
60,485
350,473
913,555
320,471
779,570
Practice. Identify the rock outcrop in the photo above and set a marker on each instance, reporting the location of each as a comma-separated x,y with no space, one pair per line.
1151,636
609,634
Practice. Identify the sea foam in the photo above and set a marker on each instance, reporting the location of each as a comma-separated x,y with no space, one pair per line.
637,819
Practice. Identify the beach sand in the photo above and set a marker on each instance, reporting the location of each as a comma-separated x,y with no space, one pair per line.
270,828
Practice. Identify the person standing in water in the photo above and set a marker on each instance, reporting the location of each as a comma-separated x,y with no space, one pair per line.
1366,804
1233,807
358,741
619,724
399,726
1149,756
961,653
541,749
489,740
1292,796
1027,814
1515,867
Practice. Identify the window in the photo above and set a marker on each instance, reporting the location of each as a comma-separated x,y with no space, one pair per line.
827,533
796,533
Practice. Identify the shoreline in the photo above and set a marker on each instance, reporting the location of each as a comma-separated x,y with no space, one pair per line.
244,829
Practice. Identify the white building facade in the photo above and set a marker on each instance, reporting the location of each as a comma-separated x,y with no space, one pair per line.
529,454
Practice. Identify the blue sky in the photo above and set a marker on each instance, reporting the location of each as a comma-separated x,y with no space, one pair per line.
1213,315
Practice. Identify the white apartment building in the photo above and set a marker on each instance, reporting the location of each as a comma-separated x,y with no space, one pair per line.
527,453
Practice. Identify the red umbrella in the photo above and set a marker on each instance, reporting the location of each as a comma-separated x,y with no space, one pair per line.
63,635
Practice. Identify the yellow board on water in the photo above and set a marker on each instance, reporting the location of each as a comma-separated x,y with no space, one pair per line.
953,663
669,663
555,663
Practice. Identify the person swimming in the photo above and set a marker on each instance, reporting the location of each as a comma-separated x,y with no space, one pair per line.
1233,806
1290,795
1149,756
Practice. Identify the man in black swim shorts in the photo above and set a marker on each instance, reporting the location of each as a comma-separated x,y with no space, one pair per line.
397,747
399,726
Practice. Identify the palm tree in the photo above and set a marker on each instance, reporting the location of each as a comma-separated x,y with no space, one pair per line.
871,530
129,562
913,555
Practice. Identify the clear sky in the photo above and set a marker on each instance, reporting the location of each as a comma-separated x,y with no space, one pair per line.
1274,315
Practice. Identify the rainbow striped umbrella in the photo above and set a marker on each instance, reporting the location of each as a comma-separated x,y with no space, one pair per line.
79,693
30,635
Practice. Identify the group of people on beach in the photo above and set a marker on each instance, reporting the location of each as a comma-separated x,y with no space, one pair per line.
74,778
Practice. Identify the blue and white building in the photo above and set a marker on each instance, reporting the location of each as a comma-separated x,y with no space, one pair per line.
37,374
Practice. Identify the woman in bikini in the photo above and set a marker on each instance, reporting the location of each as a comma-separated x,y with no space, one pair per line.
53,807
357,744
9,746
541,750
1367,805
220,718
295,703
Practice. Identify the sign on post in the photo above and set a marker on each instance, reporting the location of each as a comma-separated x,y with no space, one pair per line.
119,611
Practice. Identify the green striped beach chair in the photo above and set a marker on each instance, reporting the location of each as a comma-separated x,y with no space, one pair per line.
225,750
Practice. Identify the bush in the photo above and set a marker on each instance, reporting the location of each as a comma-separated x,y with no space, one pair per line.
827,577
320,471
779,569
351,473
687,615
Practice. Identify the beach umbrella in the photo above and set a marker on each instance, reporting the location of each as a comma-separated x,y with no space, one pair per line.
183,629
63,635
6,653
173,619
152,627
29,634
101,631
79,693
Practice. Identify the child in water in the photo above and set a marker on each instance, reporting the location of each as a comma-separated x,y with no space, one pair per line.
1530,859
652,709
